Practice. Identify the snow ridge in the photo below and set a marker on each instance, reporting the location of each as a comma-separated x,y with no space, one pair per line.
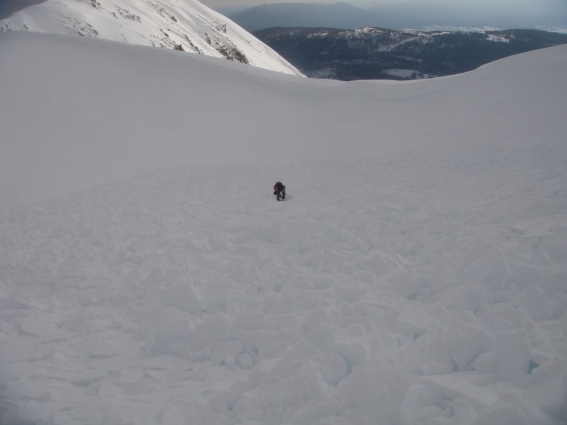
184,25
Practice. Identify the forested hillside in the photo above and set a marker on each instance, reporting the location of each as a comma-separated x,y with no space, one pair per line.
375,53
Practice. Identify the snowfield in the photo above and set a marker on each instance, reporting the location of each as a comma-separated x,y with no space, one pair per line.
417,274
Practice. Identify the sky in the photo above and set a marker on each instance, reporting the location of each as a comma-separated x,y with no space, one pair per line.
527,6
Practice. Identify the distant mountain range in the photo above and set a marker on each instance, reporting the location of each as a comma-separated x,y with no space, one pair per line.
374,53
186,26
412,14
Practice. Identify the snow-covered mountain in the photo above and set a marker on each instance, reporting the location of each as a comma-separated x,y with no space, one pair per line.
174,24
416,274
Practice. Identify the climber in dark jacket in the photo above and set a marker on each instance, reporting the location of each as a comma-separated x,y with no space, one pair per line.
279,190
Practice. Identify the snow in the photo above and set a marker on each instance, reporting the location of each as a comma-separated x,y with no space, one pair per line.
415,275
160,23
403,73
497,38
562,29
414,320
455,388
513,355
406,73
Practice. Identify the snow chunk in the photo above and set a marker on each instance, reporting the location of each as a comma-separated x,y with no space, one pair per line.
36,327
32,389
117,419
245,360
510,409
486,362
375,390
523,275
89,377
182,297
414,320
333,368
454,387
135,387
168,362
417,404
248,321
171,336
555,284
476,378
318,412
95,347
226,352
535,303
514,355
547,386
462,298
539,357
466,346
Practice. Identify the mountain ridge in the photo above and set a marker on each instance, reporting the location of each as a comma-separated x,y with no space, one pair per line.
188,26
378,53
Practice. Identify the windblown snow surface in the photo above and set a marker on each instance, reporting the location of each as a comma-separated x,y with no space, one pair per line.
174,24
417,274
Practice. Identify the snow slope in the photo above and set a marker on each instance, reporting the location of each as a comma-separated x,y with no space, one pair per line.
172,24
417,275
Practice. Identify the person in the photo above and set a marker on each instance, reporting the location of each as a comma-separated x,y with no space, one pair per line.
279,191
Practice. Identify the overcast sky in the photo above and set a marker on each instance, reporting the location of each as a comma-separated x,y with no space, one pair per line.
211,3
536,6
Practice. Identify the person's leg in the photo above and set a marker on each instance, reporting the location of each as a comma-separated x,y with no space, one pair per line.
279,195
283,194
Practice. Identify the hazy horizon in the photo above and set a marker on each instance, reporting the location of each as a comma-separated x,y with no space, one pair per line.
516,7
526,4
